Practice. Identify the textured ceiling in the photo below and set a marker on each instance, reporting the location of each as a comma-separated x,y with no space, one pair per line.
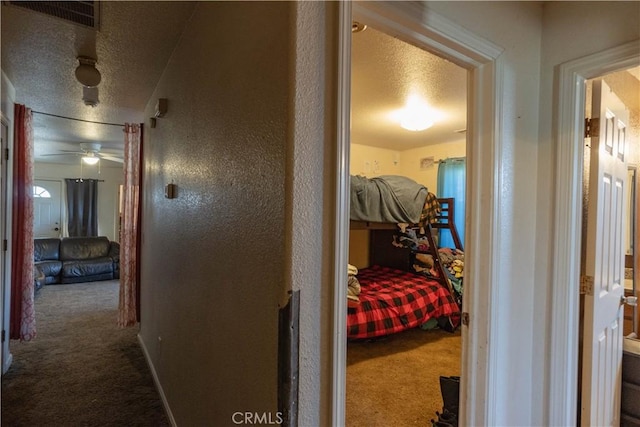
132,47
134,44
385,72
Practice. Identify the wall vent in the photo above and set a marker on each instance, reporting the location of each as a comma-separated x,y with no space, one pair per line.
85,13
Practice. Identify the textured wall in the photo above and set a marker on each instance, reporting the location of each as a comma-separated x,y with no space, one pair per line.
515,27
213,258
410,161
310,193
371,161
213,268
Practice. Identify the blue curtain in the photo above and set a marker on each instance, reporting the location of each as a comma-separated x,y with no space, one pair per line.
451,183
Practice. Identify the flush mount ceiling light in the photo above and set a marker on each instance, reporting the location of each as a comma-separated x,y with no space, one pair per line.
416,115
86,73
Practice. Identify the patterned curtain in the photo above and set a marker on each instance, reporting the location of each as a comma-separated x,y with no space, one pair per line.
129,276
23,320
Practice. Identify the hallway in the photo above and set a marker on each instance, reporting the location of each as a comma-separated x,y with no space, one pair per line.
81,369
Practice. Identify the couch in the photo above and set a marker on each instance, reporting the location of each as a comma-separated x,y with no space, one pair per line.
77,259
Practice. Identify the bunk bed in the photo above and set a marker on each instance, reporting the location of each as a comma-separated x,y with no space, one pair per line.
395,293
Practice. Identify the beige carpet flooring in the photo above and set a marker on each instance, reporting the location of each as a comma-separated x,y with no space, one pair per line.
81,369
394,381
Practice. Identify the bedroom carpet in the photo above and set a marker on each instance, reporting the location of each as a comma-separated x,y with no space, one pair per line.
81,369
394,381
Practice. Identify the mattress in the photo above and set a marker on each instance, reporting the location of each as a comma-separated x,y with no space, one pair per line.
393,300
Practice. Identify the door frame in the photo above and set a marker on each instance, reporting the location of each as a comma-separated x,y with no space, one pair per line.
482,59
6,358
568,128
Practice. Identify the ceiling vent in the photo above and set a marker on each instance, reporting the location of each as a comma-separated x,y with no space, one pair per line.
85,13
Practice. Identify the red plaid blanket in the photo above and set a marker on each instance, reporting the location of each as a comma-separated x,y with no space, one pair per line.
394,300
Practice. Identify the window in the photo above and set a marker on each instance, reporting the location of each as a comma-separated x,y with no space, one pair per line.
41,192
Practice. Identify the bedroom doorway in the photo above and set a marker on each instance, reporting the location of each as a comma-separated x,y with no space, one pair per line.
389,76
481,58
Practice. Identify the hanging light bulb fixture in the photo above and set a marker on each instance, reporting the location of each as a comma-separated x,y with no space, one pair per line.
86,72
91,150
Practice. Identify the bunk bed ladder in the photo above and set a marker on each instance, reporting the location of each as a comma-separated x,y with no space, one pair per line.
433,250
444,220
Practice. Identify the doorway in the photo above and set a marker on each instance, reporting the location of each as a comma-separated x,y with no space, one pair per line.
47,208
390,76
609,110
482,60
569,135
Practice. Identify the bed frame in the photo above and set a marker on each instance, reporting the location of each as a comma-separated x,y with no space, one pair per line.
381,233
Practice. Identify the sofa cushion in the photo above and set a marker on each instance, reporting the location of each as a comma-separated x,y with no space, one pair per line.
49,268
38,279
46,249
80,248
89,267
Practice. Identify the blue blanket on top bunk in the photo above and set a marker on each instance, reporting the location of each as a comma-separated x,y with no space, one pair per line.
387,198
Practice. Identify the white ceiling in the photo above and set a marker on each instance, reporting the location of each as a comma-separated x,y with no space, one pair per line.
132,47
385,72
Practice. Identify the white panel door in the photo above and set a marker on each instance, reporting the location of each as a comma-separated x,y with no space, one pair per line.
46,208
602,351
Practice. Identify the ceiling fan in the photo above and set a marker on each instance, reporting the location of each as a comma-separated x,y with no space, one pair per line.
91,153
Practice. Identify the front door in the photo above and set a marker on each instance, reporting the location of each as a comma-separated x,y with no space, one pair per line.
604,262
46,208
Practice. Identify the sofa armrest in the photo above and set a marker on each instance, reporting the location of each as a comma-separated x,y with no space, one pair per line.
114,251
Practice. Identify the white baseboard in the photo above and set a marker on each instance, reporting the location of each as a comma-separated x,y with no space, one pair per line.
7,363
157,382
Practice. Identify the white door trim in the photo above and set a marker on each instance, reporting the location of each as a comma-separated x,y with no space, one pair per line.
565,255
342,217
6,170
432,32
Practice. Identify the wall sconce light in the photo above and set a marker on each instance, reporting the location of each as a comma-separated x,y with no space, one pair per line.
161,107
171,191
